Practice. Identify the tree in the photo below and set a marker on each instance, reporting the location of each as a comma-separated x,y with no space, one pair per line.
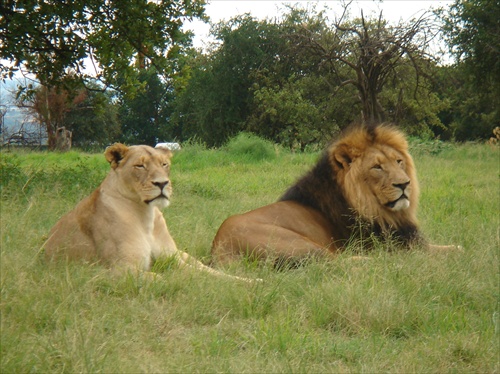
51,38
94,120
254,80
286,115
472,29
373,51
216,102
299,79
293,99
54,40
144,115
472,113
88,113
49,106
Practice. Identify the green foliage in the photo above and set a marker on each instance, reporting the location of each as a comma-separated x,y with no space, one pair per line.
254,81
473,113
299,79
372,56
415,107
294,80
144,115
52,38
94,120
473,84
290,115
472,28
216,101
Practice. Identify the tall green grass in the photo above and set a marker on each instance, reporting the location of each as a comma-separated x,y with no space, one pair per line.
402,312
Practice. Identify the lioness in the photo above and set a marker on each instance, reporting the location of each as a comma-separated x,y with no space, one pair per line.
120,224
364,186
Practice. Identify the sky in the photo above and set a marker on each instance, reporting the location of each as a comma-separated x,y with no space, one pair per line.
393,11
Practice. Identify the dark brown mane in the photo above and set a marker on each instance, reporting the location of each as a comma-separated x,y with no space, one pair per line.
319,189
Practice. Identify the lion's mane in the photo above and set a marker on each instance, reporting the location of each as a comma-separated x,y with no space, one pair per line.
343,198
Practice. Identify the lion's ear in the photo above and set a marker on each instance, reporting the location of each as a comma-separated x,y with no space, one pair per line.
342,157
115,153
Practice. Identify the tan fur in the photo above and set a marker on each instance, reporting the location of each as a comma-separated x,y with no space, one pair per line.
364,185
120,224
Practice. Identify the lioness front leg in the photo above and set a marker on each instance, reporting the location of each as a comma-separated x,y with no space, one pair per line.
186,260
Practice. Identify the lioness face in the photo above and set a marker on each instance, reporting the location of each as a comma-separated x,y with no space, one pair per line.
143,172
384,171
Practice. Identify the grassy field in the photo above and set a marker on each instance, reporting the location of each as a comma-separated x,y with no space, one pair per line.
410,312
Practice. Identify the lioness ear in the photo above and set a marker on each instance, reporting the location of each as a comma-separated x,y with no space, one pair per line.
165,151
115,153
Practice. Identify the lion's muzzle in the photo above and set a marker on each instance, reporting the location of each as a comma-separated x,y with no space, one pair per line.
399,204
403,201
163,198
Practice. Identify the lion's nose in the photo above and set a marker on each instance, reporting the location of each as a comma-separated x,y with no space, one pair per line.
161,184
402,186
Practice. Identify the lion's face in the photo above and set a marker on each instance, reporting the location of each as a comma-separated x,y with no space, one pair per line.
141,173
377,175
384,172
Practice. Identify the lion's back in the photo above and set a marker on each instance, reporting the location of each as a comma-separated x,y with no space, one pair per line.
71,236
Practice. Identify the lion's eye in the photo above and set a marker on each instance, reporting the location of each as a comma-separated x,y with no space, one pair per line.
139,166
400,162
165,165
377,167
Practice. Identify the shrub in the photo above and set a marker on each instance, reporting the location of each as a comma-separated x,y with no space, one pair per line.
251,147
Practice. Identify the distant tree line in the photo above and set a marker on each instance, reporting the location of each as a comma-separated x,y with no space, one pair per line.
295,80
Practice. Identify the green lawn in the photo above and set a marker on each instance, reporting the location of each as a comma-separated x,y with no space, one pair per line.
403,312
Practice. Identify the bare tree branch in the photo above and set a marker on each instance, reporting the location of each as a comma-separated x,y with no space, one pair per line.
374,52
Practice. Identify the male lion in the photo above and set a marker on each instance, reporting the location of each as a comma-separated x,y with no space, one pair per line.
120,223
363,186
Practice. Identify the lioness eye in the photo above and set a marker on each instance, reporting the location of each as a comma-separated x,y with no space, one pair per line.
139,166
377,167
400,162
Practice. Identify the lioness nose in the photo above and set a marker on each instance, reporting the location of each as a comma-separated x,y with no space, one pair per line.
161,184
401,185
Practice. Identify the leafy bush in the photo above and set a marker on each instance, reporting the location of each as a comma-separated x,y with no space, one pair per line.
434,147
251,147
